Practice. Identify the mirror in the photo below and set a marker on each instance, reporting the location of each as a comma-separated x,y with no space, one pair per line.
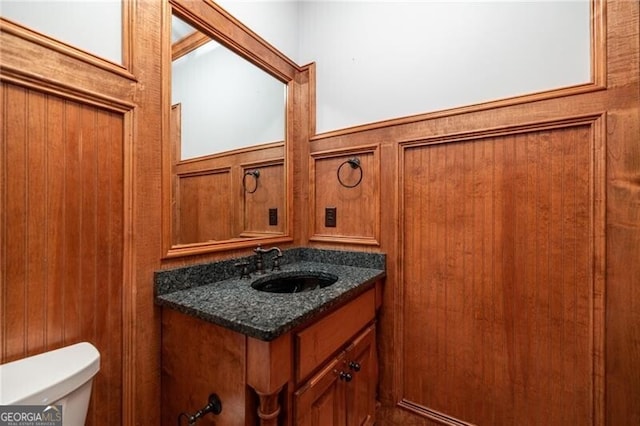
226,102
227,127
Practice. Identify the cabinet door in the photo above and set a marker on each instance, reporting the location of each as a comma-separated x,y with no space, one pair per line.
360,393
200,358
321,402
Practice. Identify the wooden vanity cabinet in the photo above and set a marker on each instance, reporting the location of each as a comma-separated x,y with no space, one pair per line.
294,379
200,358
361,392
343,393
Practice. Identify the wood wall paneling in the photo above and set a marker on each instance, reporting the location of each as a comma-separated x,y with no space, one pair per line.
93,272
616,44
357,204
144,191
301,98
504,301
622,390
267,192
37,60
211,204
204,207
62,233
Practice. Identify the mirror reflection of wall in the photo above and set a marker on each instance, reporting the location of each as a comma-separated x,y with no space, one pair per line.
227,119
226,102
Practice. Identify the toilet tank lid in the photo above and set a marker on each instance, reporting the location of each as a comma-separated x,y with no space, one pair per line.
48,376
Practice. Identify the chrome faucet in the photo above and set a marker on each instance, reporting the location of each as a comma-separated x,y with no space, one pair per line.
260,262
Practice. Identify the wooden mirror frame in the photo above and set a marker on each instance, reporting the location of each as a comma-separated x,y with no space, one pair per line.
208,17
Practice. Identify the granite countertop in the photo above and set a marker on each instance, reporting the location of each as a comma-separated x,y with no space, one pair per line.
215,292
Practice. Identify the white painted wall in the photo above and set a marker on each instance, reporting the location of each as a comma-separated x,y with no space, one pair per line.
276,21
91,25
378,60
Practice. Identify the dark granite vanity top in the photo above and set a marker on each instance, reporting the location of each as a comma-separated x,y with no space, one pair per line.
215,292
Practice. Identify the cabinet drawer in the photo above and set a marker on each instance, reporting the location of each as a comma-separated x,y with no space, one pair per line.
319,341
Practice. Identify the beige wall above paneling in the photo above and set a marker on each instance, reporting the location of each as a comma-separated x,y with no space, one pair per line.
356,199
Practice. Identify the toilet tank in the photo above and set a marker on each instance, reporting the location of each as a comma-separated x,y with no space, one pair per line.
59,377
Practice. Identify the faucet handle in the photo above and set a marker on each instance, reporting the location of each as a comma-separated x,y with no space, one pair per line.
244,272
258,259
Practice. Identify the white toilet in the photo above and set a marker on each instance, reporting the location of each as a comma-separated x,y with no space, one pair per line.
59,377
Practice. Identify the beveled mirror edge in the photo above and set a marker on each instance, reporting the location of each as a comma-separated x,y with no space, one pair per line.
219,24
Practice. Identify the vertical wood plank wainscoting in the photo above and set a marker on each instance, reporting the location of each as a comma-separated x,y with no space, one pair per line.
512,249
498,280
62,233
80,207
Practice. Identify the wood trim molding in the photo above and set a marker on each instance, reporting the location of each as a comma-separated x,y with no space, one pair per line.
432,414
599,43
232,152
188,43
507,102
176,134
55,45
597,176
362,241
297,153
182,250
129,283
218,171
503,130
312,112
599,243
28,61
128,34
257,39
266,163
210,18
47,85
